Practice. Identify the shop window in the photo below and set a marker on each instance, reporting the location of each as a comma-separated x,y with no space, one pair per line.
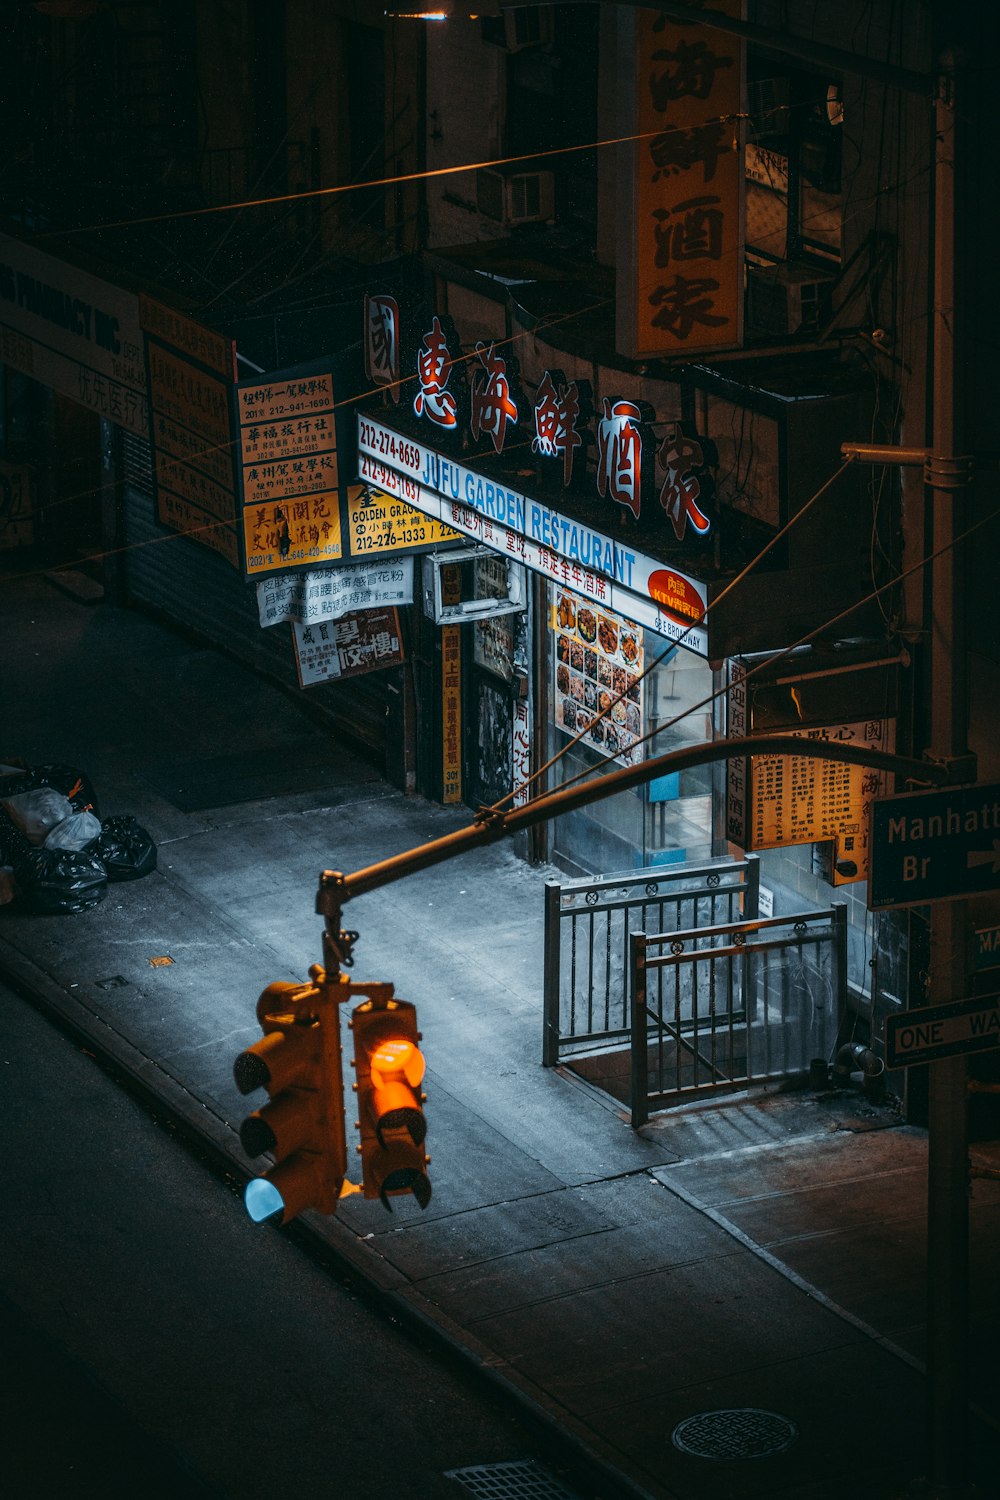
601,662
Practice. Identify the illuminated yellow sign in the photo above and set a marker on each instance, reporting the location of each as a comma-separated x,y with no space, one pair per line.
283,534
380,523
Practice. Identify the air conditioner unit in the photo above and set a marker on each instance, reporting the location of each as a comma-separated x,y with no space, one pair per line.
785,299
769,107
527,26
517,198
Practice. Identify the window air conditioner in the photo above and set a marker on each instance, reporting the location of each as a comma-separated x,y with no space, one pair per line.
527,26
521,198
786,299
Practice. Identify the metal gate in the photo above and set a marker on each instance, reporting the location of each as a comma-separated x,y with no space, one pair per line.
587,927
716,1008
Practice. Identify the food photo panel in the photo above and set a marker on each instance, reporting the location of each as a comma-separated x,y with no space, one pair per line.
597,670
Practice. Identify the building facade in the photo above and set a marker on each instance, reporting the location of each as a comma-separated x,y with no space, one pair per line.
528,344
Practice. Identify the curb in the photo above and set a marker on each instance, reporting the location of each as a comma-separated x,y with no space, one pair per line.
213,1140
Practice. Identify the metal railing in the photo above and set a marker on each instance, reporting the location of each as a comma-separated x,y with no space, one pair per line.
733,1004
587,927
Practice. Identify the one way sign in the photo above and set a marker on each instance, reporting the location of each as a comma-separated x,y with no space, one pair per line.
935,1031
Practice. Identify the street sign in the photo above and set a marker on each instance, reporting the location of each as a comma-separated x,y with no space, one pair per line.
935,1031
934,846
987,947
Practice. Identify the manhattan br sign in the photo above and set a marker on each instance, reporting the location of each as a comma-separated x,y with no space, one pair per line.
934,846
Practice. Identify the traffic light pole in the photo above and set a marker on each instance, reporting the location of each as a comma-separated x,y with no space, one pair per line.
491,825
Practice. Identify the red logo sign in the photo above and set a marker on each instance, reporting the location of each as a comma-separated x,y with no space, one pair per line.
677,596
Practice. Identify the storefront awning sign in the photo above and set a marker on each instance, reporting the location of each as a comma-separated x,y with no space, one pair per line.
644,589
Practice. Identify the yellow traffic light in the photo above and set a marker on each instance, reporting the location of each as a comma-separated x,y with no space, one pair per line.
389,1068
298,1062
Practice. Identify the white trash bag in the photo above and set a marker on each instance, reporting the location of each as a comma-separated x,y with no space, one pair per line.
36,813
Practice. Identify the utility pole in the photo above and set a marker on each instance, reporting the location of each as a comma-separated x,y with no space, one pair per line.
947,476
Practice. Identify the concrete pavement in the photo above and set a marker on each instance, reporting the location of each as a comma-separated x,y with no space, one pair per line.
752,1268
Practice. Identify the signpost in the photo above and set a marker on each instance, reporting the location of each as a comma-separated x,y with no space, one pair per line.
934,846
936,1031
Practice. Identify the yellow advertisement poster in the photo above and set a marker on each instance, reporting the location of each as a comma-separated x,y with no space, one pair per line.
281,481
289,472
191,438
380,523
188,395
801,800
285,398
282,534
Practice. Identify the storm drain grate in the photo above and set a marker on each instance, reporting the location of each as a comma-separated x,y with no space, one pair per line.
522,1479
743,1432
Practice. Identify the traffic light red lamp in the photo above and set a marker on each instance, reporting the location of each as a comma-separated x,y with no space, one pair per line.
389,1068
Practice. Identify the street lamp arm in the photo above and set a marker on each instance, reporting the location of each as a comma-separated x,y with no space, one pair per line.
492,825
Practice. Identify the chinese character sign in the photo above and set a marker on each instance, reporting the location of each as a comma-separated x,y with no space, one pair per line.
680,251
382,344
559,407
686,485
347,647
621,445
435,367
493,406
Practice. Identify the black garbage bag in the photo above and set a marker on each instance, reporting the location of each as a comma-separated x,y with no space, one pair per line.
13,844
124,848
60,880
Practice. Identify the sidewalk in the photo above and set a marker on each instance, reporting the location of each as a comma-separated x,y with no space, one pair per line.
759,1255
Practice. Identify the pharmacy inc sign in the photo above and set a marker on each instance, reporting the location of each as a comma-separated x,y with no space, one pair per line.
934,846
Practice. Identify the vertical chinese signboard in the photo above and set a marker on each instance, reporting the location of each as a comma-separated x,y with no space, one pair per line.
451,693
288,471
190,374
680,248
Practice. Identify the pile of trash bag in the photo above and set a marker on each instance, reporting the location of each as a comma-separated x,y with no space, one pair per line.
56,852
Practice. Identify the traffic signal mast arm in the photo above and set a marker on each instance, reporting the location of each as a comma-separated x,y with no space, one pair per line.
492,824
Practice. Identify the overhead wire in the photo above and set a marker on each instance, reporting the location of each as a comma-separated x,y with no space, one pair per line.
685,635
780,655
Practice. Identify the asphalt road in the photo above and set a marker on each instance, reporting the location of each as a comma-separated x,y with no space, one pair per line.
158,1344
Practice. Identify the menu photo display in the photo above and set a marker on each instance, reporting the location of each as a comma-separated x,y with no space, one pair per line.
598,666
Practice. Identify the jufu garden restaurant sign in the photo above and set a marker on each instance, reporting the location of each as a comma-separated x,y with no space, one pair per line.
642,588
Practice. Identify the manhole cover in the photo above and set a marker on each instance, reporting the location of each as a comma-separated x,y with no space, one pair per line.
522,1479
743,1432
